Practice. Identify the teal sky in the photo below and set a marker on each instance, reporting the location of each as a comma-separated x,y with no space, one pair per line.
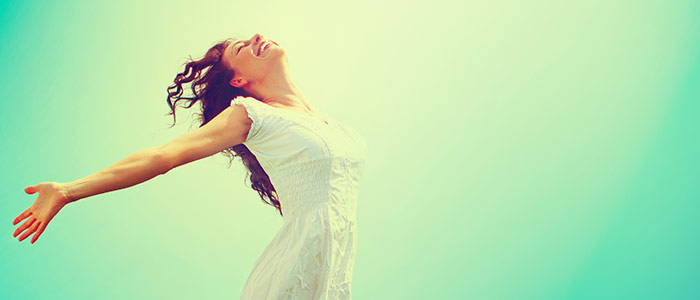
539,150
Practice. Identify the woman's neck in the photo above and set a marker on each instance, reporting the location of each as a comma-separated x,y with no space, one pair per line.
281,91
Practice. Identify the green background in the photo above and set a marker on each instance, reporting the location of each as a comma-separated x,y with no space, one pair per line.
517,150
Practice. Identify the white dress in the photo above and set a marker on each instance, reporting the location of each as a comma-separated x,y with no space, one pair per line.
315,165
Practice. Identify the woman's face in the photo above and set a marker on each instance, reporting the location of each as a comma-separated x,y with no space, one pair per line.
253,59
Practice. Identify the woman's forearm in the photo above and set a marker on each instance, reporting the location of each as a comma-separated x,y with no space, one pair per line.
134,169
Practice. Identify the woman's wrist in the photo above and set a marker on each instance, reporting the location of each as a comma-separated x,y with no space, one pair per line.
65,191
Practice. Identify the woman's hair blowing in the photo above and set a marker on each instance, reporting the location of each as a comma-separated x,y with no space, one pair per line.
209,82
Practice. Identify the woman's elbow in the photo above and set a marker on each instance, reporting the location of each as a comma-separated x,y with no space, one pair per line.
161,161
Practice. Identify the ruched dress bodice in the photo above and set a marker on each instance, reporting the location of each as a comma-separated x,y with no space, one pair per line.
315,165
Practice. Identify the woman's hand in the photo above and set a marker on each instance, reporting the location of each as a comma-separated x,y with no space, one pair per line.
52,198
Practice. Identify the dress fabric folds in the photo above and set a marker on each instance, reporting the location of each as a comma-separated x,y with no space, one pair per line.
315,165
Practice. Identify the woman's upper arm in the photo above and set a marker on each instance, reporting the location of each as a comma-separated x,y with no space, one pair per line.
227,129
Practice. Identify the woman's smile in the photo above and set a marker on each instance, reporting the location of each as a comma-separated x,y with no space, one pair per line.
264,45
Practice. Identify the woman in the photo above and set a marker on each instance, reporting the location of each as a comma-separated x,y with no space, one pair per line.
305,163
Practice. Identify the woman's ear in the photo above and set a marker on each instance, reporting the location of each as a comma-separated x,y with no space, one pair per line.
238,82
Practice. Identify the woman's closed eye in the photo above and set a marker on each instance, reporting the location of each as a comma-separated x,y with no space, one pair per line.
241,47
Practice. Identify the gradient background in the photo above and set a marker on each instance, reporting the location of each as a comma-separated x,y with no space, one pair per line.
539,150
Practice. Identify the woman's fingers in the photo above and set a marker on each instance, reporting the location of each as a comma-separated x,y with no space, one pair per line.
45,206
29,231
42,226
24,226
22,216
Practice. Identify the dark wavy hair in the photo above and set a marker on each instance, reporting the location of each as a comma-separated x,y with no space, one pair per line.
209,81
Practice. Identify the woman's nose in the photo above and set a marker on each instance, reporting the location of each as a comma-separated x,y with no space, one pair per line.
256,38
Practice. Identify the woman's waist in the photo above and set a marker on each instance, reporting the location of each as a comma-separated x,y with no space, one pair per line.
329,205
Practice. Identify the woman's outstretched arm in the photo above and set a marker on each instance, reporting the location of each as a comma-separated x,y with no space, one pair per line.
227,129
53,196
132,170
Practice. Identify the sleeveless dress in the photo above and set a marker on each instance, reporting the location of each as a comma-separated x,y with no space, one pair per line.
315,165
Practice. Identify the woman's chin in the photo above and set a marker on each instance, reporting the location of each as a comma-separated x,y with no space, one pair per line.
273,51
275,55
